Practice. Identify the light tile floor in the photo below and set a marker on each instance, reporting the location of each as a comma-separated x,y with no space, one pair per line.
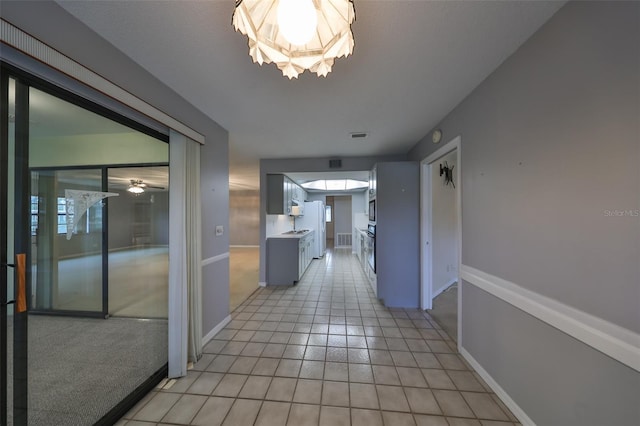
325,352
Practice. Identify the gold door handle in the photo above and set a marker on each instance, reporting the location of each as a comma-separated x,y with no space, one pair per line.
21,293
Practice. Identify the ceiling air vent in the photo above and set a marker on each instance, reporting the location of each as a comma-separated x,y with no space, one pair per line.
358,135
335,164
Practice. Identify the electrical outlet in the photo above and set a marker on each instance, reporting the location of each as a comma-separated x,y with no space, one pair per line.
219,230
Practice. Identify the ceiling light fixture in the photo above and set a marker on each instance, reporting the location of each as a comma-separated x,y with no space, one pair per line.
296,35
136,187
335,185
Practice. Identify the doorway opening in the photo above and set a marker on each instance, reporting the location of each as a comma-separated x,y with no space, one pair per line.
244,243
441,237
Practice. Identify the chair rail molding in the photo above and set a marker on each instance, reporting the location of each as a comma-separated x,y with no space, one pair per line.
613,340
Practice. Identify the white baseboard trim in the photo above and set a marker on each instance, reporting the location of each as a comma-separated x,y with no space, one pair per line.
243,246
210,335
262,284
613,340
215,259
508,401
444,287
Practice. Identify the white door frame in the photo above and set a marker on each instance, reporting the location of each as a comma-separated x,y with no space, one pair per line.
426,225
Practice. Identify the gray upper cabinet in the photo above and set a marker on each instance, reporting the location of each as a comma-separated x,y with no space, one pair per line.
281,191
277,194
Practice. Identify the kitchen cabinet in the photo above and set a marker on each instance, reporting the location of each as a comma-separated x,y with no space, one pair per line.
281,192
288,257
305,253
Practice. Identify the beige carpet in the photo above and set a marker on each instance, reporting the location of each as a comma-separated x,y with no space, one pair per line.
244,264
80,368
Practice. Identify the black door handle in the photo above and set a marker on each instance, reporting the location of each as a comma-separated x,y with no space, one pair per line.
10,302
9,264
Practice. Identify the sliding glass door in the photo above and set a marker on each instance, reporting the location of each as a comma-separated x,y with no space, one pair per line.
84,256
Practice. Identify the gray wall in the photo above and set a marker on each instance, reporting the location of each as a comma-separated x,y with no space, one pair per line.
292,165
244,217
550,143
555,379
44,20
342,214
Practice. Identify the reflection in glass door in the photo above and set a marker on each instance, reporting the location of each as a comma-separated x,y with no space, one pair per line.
138,242
67,243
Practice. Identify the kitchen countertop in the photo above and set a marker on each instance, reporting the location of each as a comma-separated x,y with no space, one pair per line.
298,236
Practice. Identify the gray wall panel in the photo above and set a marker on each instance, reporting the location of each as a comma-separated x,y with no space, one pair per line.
342,214
214,189
215,294
555,379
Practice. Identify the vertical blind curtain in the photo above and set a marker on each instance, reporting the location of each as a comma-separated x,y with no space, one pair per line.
185,274
194,250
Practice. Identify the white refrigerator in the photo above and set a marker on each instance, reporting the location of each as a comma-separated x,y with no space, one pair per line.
314,219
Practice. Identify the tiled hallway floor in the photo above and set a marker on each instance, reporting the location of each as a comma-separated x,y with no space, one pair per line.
325,352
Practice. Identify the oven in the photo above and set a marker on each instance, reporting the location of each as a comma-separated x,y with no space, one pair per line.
371,247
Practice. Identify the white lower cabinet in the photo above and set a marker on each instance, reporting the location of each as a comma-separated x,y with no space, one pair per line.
305,253
363,254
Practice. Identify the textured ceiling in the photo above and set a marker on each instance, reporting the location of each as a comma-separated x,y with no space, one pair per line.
413,62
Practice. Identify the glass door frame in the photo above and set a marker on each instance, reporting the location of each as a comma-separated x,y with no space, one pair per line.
4,262
21,247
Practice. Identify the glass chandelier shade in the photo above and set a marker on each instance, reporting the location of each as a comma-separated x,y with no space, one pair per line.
289,34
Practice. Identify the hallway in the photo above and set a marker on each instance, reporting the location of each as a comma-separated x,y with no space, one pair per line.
325,352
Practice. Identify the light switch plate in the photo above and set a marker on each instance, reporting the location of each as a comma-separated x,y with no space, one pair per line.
219,230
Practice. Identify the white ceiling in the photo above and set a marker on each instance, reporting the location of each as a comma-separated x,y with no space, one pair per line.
413,62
